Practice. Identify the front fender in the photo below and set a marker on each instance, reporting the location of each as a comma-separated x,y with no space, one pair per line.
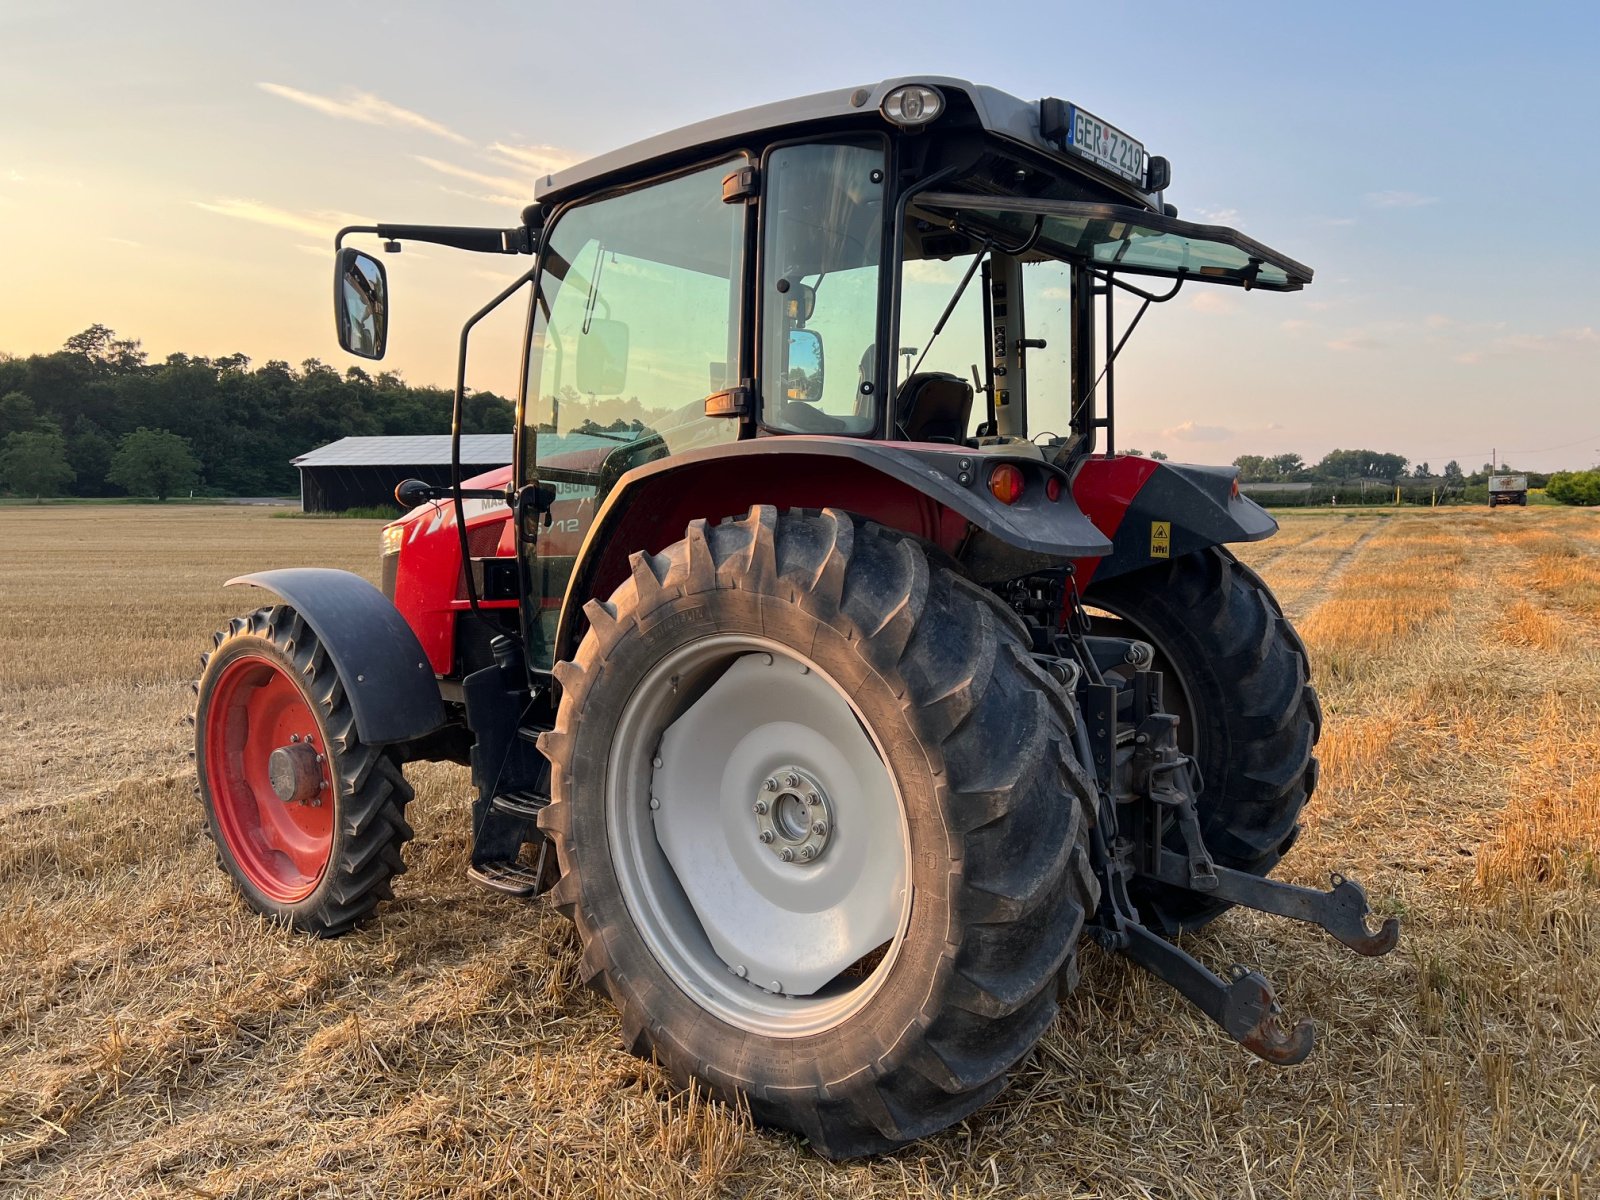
392,691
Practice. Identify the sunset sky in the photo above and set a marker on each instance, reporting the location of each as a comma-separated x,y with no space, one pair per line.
176,171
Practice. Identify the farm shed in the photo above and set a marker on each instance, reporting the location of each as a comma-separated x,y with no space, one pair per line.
357,472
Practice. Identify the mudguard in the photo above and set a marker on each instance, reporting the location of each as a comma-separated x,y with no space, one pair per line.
393,694
1154,511
935,491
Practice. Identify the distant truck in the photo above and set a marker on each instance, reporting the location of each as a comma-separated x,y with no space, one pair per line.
1508,489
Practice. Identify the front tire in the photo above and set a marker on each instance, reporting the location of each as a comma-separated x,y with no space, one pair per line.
811,660
1238,676
307,819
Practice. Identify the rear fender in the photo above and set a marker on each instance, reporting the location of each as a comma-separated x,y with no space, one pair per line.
1154,511
391,687
934,491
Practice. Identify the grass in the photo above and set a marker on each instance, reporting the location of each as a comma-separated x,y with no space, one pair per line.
157,1039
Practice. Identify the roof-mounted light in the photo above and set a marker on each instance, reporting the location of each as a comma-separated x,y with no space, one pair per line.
912,105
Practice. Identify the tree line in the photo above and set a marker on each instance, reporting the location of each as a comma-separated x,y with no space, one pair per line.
1344,466
98,418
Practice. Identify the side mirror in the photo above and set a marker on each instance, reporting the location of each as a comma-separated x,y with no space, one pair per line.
361,303
411,492
603,357
799,302
802,378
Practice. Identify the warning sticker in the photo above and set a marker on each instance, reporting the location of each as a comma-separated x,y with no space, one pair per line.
1160,539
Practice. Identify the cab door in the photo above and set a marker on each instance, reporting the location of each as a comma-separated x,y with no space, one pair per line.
639,318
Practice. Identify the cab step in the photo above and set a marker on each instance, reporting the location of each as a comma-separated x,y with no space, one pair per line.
527,805
508,878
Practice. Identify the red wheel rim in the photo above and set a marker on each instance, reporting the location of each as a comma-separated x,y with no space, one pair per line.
281,846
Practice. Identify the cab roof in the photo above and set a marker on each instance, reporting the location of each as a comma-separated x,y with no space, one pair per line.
998,113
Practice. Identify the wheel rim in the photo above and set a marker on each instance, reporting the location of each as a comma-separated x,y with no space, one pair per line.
267,773
760,842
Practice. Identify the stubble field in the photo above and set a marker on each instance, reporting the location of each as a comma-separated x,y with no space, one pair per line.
157,1039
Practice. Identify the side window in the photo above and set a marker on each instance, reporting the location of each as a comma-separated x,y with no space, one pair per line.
821,250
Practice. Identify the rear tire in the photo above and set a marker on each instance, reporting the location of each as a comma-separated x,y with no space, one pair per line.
975,747
321,860
1238,675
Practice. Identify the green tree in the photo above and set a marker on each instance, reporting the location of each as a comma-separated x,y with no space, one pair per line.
1158,455
17,414
1255,468
153,462
34,463
1453,472
1361,464
1574,487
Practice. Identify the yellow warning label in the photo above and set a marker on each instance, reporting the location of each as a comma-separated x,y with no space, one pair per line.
1160,539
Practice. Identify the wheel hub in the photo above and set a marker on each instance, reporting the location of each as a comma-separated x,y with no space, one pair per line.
794,818
295,772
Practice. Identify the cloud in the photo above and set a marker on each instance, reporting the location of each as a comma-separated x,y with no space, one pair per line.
1218,216
1437,321
486,198
366,108
1295,325
1357,341
1191,432
541,160
314,224
122,241
500,183
934,271
1213,302
1398,200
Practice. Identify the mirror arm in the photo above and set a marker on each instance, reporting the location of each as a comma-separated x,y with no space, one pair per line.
462,237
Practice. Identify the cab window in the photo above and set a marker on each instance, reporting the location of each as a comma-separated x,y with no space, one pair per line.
636,323
821,250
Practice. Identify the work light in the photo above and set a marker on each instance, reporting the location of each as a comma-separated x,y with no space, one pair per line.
912,105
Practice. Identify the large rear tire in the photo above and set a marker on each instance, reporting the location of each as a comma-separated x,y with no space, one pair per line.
1238,676
868,978
307,819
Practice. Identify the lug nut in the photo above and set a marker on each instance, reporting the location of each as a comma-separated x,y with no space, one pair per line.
775,986
792,779
654,804
294,737
766,836
741,970
807,853
819,827
771,785
786,854
761,808
813,798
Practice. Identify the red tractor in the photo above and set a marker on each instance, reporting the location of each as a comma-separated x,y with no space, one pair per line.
817,653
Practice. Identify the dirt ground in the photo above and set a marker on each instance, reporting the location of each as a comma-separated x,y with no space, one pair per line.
157,1039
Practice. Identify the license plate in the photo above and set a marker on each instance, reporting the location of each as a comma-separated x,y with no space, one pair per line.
1106,145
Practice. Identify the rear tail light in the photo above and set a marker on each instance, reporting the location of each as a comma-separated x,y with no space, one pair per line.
1052,487
1006,483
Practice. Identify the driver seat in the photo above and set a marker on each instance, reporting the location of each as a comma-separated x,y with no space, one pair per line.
934,406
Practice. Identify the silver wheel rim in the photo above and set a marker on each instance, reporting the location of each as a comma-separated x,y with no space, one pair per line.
759,840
